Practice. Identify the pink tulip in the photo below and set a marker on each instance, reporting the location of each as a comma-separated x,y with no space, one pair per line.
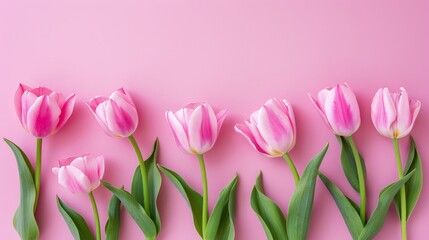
271,130
394,114
80,174
41,111
117,115
195,127
339,108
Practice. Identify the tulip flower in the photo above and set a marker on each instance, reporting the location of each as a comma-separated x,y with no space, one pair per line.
82,175
339,108
117,115
271,130
393,115
42,112
195,129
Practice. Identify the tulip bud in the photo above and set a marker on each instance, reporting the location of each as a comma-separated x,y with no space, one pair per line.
339,108
41,111
80,174
195,127
117,115
394,114
271,130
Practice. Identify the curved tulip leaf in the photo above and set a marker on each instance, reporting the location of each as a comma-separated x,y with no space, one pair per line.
378,217
113,224
24,220
136,211
269,213
192,198
413,187
346,206
77,225
221,223
154,182
349,164
301,203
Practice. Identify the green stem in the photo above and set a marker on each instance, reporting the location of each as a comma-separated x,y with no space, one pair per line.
292,167
205,194
403,196
96,217
38,170
144,174
361,177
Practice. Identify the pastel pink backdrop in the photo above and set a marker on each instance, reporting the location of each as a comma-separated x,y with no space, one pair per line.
233,54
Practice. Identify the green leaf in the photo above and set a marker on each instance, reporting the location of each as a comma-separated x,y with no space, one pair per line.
154,182
349,164
136,211
113,224
413,187
192,198
349,210
378,217
221,223
301,203
24,220
77,225
269,213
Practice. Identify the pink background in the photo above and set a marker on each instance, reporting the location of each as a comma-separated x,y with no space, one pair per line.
233,54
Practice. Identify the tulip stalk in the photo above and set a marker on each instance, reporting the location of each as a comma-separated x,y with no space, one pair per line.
38,170
402,191
205,194
361,178
144,174
96,216
292,167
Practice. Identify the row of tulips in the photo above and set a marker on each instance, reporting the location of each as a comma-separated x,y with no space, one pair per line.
271,130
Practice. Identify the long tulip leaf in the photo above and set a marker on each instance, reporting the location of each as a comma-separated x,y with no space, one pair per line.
346,206
376,221
76,223
413,187
136,211
24,220
154,182
301,203
113,224
221,222
192,197
270,215
349,164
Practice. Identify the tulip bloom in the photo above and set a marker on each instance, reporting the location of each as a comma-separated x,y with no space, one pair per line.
117,115
339,108
195,127
394,114
271,130
80,174
41,111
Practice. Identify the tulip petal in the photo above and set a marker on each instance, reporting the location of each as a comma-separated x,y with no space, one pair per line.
101,117
41,91
404,116
180,135
383,112
121,93
28,100
271,152
202,129
121,118
91,167
245,131
93,103
342,111
220,116
66,111
415,109
320,108
73,179
43,116
18,100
